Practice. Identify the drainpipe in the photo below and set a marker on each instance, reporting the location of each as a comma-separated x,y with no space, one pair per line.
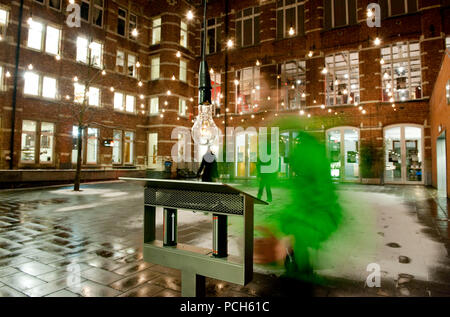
14,96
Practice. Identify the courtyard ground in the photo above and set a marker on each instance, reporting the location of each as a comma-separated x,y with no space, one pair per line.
56,242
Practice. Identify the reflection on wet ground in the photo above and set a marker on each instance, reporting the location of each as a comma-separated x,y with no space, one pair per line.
55,242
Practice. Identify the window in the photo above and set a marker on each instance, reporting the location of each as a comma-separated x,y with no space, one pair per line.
156,31
247,27
447,92
182,107
154,105
28,145
35,33
130,103
120,61
447,42
91,53
31,86
54,4
2,84
342,78
85,4
97,13
117,147
132,25
131,65
292,84
183,34
124,102
216,91
339,13
46,142
3,23
213,36
92,146
75,136
155,68
401,72
290,18
397,7
49,87
39,34
93,95
248,90
152,149
183,70
128,148
37,85
121,22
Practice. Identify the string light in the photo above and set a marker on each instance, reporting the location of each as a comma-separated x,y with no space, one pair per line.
324,70
230,43
258,63
291,31
134,33
310,54
377,41
30,67
57,57
138,64
112,89
8,74
190,15
178,54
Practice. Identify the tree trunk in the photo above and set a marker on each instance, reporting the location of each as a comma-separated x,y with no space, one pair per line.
76,186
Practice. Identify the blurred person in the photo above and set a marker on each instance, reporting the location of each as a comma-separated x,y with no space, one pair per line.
208,167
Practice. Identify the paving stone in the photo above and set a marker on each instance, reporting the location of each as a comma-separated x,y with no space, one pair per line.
101,276
146,290
63,293
21,281
133,268
5,271
92,289
51,287
6,291
134,280
35,268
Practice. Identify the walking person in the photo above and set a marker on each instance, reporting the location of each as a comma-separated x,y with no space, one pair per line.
208,167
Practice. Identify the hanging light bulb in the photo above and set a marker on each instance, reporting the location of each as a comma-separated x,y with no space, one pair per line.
8,74
134,33
205,131
190,15
138,64
178,54
291,31
30,67
258,63
310,54
382,61
377,41
324,70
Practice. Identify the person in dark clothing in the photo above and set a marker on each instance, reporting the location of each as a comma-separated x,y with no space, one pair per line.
208,167
265,180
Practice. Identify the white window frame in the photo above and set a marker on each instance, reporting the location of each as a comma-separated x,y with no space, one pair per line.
124,102
284,8
347,16
254,82
40,80
153,74
132,149
89,58
156,30
217,27
389,62
406,7
47,4
154,105
29,132
95,6
331,77
184,31
2,78
119,147
4,25
299,87
182,107
134,74
51,135
89,94
96,143
132,25
183,70
241,20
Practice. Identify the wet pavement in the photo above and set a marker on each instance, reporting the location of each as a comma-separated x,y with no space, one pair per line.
56,242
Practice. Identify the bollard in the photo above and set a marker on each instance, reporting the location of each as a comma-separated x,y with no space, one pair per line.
220,236
170,227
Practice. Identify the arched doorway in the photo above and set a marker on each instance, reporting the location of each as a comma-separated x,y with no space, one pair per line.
343,152
404,146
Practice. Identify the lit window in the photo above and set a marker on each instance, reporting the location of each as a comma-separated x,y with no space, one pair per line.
78,93
290,18
152,149
132,25
120,61
447,42
94,96
401,72
28,144
183,34
292,84
46,142
35,32
31,86
75,134
130,103
3,23
213,36
117,147
131,65
342,78
96,54
128,148
118,101
182,107
49,88
247,27
183,70
92,146
52,40
447,92
82,49
156,31
154,105
2,84
339,13
248,90
216,91
155,68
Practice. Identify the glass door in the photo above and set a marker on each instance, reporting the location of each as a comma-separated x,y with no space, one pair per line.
403,154
246,154
343,153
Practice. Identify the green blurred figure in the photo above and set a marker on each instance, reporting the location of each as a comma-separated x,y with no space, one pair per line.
265,180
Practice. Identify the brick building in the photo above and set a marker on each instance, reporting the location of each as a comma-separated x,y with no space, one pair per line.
318,60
